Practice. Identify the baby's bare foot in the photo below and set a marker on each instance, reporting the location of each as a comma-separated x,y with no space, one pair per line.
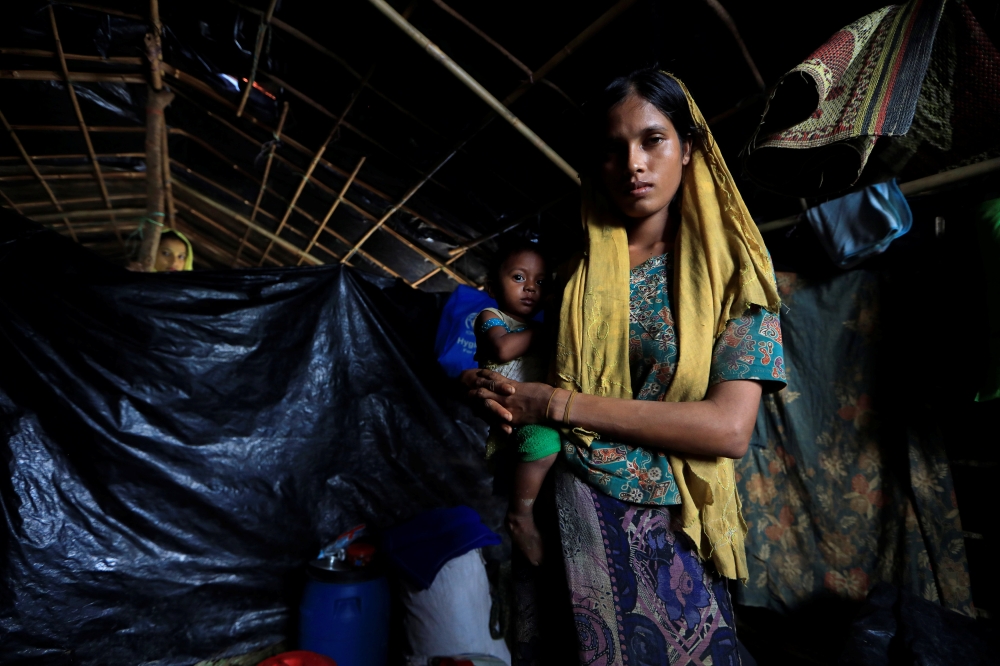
525,536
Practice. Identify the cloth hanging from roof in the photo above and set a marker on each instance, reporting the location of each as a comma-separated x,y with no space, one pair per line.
861,224
847,482
825,115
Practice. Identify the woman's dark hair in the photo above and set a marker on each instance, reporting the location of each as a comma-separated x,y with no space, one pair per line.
655,87
508,247
171,235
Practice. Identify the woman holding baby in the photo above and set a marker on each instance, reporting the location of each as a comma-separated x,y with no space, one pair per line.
668,335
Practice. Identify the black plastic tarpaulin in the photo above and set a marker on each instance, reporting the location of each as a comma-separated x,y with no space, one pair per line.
178,445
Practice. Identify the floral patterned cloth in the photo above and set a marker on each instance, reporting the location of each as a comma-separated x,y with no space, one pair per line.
847,483
639,593
749,348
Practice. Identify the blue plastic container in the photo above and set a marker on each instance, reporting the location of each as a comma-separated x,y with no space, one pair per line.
345,615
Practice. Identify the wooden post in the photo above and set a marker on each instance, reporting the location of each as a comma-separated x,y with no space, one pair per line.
157,101
154,47
265,23
336,202
168,190
263,182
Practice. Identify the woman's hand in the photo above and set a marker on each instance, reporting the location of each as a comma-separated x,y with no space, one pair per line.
515,403
489,386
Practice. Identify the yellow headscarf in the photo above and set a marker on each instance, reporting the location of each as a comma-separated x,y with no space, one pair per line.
720,269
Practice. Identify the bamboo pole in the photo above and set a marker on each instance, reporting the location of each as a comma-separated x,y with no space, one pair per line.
468,24
285,244
312,165
42,53
76,109
81,200
346,125
726,18
188,191
92,214
301,212
465,247
75,77
543,71
73,128
539,74
475,86
574,45
265,24
203,241
292,143
333,207
263,182
14,206
911,188
113,175
419,281
492,42
93,226
103,10
309,41
68,156
35,173
399,204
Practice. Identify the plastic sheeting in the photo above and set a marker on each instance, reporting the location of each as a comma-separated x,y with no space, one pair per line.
179,445
896,628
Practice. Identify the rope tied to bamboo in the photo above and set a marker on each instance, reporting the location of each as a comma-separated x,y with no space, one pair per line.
148,220
134,239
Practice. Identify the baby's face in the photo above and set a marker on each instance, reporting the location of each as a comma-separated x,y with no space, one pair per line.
519,292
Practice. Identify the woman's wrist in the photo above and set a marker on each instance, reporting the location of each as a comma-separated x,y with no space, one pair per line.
556,410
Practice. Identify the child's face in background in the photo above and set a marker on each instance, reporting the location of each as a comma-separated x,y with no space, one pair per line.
519,288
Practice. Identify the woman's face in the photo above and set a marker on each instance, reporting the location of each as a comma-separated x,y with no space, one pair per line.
171,255
645,158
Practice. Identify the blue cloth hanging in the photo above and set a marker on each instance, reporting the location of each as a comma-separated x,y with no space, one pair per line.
861,224
420,547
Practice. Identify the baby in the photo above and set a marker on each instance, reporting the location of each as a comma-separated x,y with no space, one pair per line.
506,342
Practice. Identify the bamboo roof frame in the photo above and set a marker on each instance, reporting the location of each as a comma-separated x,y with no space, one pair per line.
265,24
440,264
263,182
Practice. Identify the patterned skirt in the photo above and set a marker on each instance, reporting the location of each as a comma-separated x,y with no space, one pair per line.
638,594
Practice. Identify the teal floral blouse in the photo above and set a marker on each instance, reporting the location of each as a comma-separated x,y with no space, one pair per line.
749,348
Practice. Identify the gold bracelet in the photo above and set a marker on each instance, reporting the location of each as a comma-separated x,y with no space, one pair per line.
549,403
569,404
